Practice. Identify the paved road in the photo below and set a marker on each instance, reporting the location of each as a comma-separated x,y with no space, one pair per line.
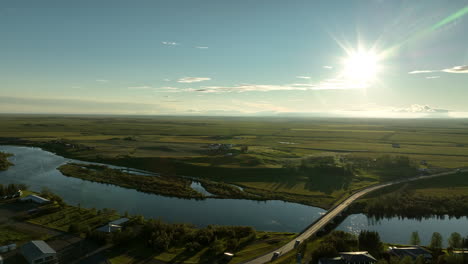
332,213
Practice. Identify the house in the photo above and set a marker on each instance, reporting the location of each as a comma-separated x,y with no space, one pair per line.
413,252
109,228
359,257
113,226
120,221
35,199
37,251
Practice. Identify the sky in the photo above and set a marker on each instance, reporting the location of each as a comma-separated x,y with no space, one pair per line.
369,58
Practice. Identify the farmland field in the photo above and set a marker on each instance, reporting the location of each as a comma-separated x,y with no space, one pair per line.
262,155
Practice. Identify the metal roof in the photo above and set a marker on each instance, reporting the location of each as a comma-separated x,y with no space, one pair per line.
36,249
119,221
357,257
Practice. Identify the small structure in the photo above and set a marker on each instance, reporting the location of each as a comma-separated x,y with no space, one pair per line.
358,257
38,251
395,145
413,252
1,260
120,221
113,226
35,199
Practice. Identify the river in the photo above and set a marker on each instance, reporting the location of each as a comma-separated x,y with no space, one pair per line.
38,169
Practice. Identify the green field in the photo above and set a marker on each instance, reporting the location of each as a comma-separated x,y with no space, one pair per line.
275,147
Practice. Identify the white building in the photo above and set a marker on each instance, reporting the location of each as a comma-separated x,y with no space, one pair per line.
35,199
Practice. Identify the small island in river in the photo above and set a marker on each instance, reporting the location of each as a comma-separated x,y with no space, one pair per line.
4,163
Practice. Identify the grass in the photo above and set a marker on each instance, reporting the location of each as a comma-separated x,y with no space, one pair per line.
265,243
178,146
62,218
11,234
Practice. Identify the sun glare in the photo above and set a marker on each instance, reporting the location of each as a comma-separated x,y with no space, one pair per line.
361,66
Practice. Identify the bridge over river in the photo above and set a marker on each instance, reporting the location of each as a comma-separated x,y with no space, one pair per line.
320,223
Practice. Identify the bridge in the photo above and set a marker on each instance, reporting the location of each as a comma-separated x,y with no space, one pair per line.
325,219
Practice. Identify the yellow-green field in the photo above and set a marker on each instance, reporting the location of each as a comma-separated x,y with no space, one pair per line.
180,145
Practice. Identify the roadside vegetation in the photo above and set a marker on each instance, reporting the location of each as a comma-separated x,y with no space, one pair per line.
329,246
447,195
4,163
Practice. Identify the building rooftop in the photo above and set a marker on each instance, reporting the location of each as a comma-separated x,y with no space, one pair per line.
119,221
35,198
357,257
36,249
413,251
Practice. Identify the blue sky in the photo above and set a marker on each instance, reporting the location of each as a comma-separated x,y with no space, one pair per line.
359,58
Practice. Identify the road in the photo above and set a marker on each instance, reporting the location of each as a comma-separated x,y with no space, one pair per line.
332,213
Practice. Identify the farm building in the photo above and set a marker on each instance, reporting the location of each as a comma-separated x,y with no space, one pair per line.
113,226
35,199
412,252
359,257
37,251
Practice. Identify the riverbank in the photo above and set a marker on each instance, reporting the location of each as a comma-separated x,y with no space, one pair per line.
167,186
4,163
447,195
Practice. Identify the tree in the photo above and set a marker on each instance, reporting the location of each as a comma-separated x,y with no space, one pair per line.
406,260
370,241
244,149
455,240
217,247
415,240
420,260
436,241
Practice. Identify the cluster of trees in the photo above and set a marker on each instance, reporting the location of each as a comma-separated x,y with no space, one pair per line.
388,167
161,236
11,189
337,176
407,203
4,163
455,241
169,186
336,241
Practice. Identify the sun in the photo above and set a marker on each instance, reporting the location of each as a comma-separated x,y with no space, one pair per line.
361,66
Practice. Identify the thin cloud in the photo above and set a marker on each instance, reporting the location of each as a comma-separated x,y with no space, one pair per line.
417,108
457,69
331,84
102,81
303,77
201,47
193,79
432,77
327,67
144,87
423,71
168,90
170,43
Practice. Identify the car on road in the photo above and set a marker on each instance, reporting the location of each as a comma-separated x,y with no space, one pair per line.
276,254
296,244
